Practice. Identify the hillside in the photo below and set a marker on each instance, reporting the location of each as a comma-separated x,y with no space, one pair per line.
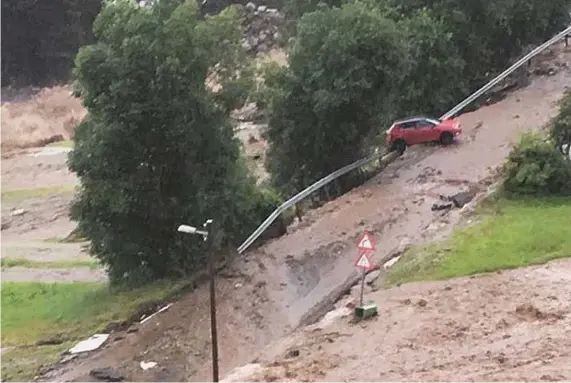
293,279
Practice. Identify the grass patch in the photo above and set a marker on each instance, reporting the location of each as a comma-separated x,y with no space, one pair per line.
74,237
33,311
65,312
22,364
62,144
18,195
512,233
65,240
23,262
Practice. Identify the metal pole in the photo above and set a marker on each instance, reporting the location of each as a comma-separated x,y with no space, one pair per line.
362,288
213,329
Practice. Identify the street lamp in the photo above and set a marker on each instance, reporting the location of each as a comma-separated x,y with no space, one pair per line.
214,334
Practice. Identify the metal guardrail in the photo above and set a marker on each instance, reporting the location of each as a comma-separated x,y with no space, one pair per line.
505,73
307,191
387,156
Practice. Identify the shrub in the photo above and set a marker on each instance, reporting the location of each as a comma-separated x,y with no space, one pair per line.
560,126
535,167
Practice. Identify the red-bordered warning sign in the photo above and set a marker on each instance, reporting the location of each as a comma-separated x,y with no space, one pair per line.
364,262
366,242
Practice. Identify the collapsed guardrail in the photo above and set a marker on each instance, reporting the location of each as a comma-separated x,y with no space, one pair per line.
389,157
386,158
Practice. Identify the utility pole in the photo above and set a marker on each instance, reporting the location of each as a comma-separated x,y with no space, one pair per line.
213,326
211,270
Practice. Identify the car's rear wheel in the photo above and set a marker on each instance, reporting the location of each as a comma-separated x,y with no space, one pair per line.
399,146
446,138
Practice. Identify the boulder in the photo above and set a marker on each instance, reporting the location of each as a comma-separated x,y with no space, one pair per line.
106,374
462,198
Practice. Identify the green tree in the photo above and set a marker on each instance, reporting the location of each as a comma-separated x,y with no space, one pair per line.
435,81
295,9
157,148
535,167
560,127
345,68
489,33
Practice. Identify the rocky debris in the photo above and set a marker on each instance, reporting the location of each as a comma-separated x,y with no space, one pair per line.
106,374
68,358
248,113
427,174
292,354
243,373
372,276
548,69
441,206
462,198
262,26
17,212
530,312
457,200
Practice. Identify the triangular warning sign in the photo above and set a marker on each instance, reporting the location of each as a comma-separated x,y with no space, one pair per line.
364,262
366,242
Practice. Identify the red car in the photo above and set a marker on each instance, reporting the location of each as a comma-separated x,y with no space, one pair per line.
418,130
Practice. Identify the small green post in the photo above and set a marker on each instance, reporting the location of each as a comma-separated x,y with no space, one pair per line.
365,311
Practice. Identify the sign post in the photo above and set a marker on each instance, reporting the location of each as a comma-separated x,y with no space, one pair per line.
365,264
365,246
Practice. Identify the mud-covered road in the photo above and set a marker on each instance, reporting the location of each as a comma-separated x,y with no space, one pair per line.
509,326
273,289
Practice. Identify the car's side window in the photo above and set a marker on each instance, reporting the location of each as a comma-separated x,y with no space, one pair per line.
425,124
408,125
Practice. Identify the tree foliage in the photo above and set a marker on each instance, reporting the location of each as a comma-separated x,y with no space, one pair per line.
353,66
345,68
157,148
535,167
435,80
488,34
560,127
295,9
40,38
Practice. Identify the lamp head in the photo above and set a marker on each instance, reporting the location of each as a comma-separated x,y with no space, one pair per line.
187,229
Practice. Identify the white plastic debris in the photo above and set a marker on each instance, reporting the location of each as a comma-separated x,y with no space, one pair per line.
332,316
17,212
147,365
152,315
90,344
242,374
391,262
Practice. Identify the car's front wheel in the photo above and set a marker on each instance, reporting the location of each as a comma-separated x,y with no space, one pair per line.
446,138
399,146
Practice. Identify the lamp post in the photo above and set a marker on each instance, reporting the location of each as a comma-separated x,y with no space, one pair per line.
214,334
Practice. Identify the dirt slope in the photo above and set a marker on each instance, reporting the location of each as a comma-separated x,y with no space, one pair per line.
32,115
273,289
510,326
